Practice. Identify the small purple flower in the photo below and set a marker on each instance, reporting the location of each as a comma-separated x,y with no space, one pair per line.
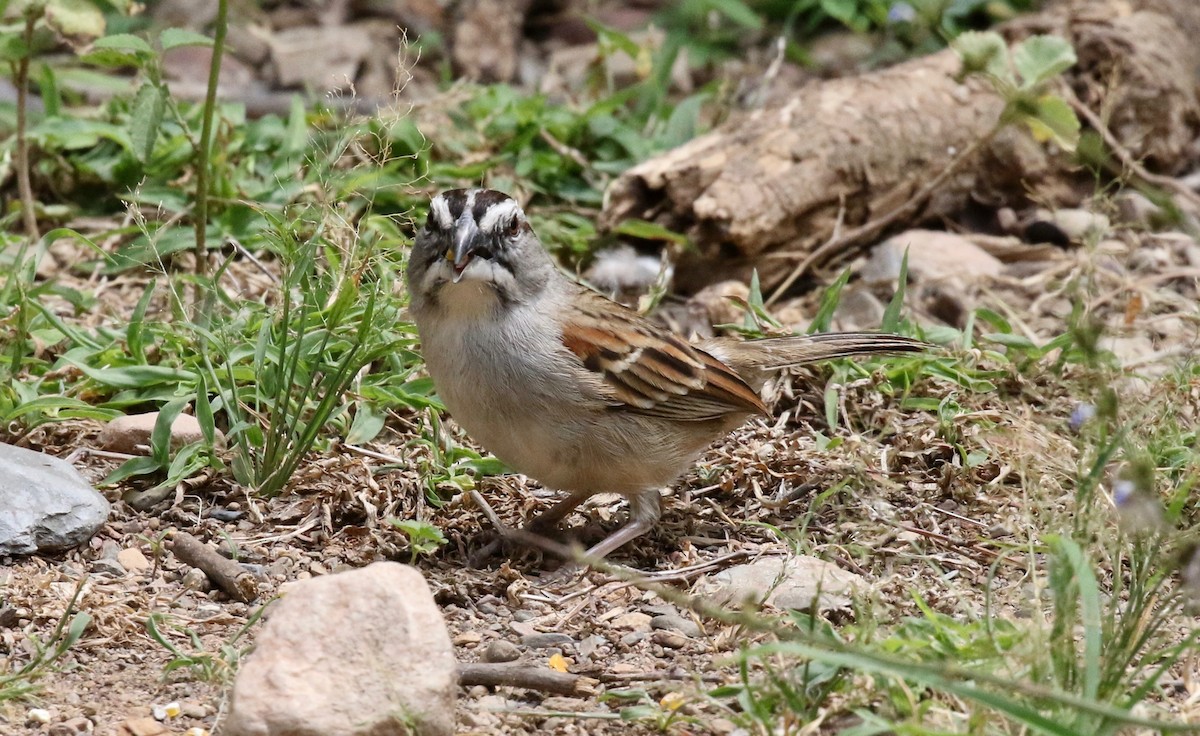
901,13
1080,415
1123,492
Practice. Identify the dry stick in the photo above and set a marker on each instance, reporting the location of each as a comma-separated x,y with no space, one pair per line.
1126,158
517,674
228,575
21,77
873,227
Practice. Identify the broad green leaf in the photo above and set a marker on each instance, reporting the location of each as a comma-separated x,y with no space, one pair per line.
124,42
1054,120
172,38
984,52
12,47
742,14
131,467
146,116
366,425
134,376
1040,58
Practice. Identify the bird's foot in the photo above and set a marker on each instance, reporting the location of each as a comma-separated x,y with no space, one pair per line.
509,541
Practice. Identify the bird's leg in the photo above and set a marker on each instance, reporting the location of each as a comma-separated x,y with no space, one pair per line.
544,523
644,510
535,534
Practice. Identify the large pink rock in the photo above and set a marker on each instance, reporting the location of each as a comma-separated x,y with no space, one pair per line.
360,653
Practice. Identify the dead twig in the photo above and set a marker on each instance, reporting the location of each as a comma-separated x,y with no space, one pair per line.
519,674
1122,153
228,575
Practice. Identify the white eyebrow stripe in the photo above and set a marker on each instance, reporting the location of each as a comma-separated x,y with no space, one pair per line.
498,213
440,209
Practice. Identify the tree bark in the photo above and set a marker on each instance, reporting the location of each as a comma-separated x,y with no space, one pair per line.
767,189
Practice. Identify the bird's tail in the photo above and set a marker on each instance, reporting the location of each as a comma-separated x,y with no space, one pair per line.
784,352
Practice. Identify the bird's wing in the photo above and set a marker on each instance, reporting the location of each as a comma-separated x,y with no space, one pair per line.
646,369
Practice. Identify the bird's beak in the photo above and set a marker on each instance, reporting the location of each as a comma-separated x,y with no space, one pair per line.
466,236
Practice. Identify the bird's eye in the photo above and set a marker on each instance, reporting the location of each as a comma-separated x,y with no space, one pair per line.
514,226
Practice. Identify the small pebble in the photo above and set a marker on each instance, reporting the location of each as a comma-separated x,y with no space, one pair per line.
670,639
501,651
546,640
634,621
39,716
467,637
633,638
998,530
671,622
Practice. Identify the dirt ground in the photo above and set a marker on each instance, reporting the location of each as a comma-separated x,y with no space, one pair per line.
908,516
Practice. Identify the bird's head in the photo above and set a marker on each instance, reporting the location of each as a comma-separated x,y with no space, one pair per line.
476,243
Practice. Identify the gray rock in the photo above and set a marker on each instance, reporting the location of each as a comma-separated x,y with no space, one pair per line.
45,504
670,622
546,640
783,582
350,654
501,651
933,255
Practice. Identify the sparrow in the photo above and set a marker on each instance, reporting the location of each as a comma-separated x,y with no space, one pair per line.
568,387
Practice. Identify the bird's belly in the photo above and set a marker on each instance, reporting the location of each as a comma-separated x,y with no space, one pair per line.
529,412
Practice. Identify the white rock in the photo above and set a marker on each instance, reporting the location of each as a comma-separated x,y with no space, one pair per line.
1080,224
933,255
1137,209
783,582
350,654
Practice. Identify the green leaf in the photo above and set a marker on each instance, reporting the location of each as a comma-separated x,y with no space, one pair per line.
204,411
124,42
173,38
648,231
1053,119
742,14
137,321
134,376
145,119
131,467
829,303
891,315
48,87
1040,58
1011,340
160,436
367,424
984,52
111,58
1084,578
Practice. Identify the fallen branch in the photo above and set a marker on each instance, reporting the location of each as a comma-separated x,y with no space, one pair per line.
226,574
519,674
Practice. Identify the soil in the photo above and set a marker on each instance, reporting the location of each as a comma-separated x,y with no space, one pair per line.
890,499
